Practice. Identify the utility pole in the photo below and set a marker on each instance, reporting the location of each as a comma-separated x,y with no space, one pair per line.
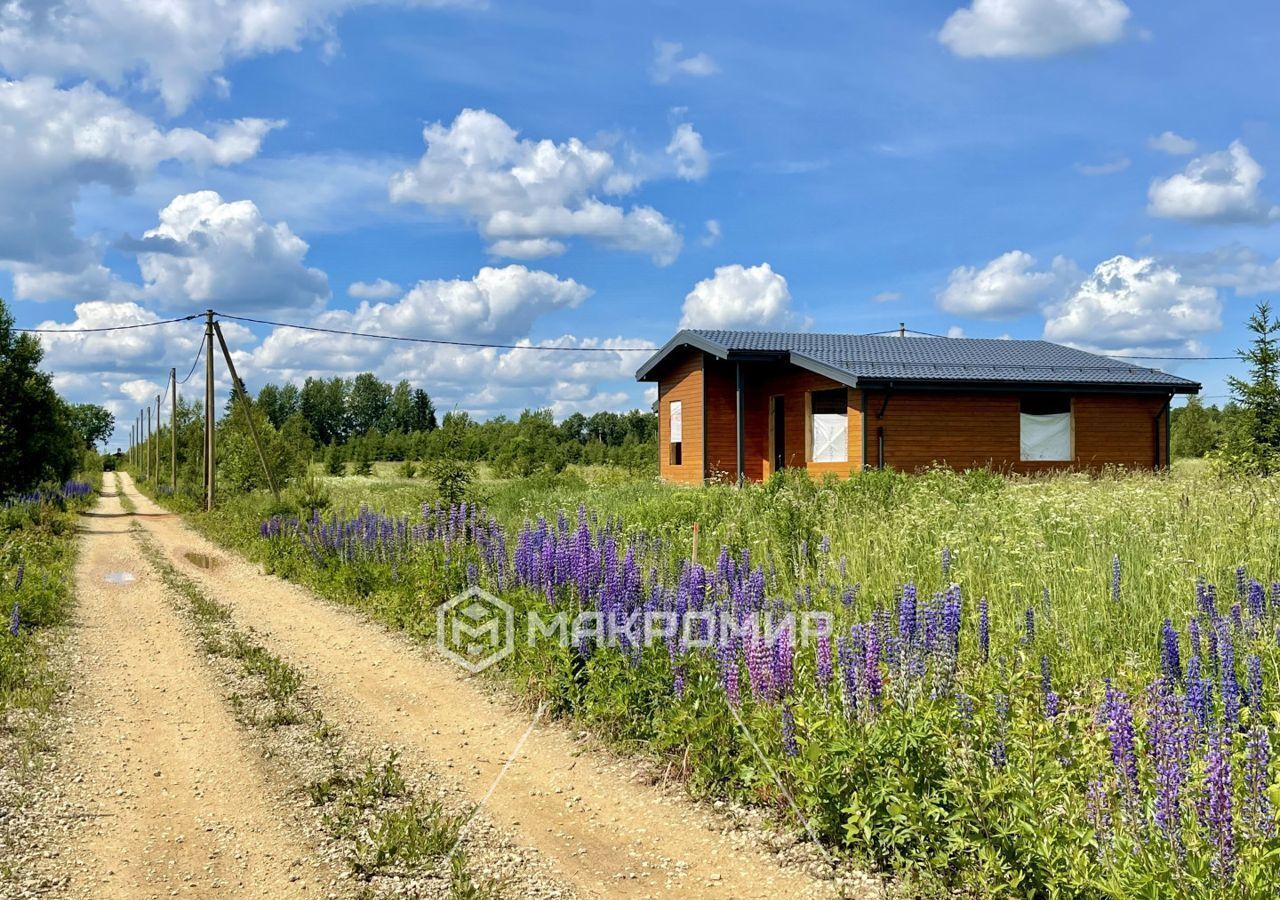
146,448
129,455
157,442
173,432
210,468
238,388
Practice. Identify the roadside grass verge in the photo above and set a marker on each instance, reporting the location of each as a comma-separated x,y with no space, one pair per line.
392,839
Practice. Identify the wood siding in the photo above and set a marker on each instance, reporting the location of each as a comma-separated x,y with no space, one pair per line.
682,381
967,431
961,430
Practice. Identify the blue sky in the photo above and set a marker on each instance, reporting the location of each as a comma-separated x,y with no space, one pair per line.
1090,171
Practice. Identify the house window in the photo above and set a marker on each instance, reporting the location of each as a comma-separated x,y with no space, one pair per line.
1046,429
829,426
676,420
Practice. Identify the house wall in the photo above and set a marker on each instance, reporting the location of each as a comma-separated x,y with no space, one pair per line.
682,380
761,384
972,430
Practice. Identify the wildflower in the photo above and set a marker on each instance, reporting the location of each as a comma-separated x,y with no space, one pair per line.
677,686
1046,684
907,619
1257,813
1170,658
1254,666
789,745
1199,690
1169,742
1241,581
1052,705
999,755
823,666
1115,578
1030,636
1217,813
824,546
1230,685
1119,721
964,709
1193,636
17,580
984,630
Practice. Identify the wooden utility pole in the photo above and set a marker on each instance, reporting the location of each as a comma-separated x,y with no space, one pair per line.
157,441
210,468
247,406
146,448
173,431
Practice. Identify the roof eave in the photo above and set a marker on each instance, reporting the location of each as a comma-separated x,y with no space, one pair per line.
1083,387
682,338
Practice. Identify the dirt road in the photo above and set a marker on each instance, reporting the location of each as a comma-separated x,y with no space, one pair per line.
605,834
173,798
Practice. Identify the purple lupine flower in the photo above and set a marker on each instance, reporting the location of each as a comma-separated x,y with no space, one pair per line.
1029,636
824,545
1199,695
946,563
823,669
1237,617
789,745
782,668
1046,682
1257,812
1169,742
849,675
1230,686
951,618
871,666
999,755
907,618
1193,636
17,579
964,709
984,630
1254,681
1257,599
1115,578
1216,806
677,684
1052,705
1170,657
1241,581
1001,701
1119,720
15,620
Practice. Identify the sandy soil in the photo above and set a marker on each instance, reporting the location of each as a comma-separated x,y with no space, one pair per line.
173,799
604,832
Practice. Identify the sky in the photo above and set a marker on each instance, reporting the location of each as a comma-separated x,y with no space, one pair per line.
592,174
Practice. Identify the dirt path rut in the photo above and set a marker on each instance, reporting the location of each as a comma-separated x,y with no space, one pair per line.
605,833
174,801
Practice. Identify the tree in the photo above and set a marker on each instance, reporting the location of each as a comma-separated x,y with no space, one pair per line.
1259,396
37,440
324,405
424,412
334,464
368,403
1193,433
93,423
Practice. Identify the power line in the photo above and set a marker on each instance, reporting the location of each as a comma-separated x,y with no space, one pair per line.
195,362
105,328
417,340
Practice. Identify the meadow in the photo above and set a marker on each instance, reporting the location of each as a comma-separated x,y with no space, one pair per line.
1060,686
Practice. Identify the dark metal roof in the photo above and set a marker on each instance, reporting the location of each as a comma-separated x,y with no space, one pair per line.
860,360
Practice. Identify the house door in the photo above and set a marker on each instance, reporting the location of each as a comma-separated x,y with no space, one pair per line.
778,418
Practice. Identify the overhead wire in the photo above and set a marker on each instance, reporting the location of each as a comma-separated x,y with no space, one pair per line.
107,327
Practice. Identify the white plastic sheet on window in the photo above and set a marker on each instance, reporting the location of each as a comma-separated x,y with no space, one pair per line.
677,423
830,438
1046,438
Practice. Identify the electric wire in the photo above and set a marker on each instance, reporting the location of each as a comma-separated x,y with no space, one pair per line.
107,327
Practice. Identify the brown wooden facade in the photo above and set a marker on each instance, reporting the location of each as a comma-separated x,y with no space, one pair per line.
905,429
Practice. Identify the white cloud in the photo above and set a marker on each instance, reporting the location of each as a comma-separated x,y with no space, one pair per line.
1106,168
174,48
1134,305
711,233
736,296
1173,144
1243,269
56,142
1006,287
374,290
528,197
886,297
226,256
1216,187
669,60
1032,28
686,150
955,331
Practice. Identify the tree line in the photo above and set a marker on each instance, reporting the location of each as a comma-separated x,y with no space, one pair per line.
43,438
